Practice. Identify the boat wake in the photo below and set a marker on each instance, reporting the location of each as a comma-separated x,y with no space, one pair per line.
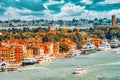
32,68
106,64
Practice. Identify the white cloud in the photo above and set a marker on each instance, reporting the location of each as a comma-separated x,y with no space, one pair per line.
94,14
10,11
1,5
109,2
51,2
86,1
69,10
14,13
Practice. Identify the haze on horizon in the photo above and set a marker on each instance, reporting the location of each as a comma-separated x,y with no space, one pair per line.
58,9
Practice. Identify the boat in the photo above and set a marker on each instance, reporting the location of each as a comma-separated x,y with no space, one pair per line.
28,61
104,45
88,48
79,70
114,43
73,53
115,51
45,58
4,67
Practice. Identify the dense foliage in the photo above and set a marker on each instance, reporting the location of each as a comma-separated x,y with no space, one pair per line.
73,34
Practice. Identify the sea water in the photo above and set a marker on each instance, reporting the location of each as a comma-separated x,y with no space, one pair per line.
103,65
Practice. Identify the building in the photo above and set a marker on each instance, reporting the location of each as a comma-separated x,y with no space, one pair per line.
18,54
113,21
95,41
48,48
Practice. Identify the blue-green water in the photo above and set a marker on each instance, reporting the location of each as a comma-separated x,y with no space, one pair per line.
100,66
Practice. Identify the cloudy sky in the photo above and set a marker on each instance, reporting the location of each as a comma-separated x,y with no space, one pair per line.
58,9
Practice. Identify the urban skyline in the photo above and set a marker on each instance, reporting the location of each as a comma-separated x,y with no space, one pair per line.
58,9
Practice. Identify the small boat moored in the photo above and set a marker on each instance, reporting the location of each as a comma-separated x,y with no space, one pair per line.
114,43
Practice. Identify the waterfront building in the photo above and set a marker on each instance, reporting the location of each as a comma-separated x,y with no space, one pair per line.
18,54
14,50
11,54
29,52
41,50
4,54
48,48
56,48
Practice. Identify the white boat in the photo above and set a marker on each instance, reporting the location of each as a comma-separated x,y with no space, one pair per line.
43,58
88,48
79,70
5,67
104,45
114,43
28,61
115,51
73,53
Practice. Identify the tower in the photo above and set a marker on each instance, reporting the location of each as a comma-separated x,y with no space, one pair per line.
49,27
113,20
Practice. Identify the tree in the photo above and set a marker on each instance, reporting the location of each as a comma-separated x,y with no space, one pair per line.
56,38
79,44
48,38
63,47
79,36
69,31
74,38
26,29
75,30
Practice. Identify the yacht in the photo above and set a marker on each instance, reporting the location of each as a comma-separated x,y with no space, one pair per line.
88,48
79,70
28,61
104,45
114,43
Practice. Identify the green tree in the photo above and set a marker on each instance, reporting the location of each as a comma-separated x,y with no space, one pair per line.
75,30
63,47
69,31
79,36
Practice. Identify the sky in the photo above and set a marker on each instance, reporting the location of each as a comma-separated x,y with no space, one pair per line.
58,9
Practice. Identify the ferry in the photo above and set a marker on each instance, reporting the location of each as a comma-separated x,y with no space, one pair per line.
79,70
28,61
104,45
114,43
88,48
